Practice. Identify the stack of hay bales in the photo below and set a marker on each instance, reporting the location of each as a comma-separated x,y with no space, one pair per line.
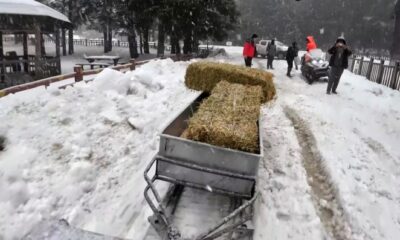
204,76
228,118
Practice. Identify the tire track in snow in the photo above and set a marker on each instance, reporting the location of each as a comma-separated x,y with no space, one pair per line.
325,195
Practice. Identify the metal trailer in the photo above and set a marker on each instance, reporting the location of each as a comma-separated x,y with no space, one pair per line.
186,163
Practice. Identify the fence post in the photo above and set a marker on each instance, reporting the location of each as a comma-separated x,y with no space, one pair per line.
371,64
353,64
119,43
380,73
133,64
394,75
78,73
361,65
86,42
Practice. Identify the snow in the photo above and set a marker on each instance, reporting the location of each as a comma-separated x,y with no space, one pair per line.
357,135
29,7
72,155
79,154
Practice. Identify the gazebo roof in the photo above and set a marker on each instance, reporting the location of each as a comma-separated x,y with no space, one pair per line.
30,7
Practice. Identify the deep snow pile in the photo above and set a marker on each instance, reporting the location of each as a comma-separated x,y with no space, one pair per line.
79,153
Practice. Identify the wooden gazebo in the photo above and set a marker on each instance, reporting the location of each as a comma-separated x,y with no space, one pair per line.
26,18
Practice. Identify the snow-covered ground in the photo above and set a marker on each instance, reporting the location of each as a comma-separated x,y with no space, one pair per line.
72,154
331,168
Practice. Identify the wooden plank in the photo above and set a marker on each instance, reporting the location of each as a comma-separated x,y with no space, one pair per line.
371,64
43,82
360,66
25,46
353,64
380,74
393,83
91,72
38,51
58,53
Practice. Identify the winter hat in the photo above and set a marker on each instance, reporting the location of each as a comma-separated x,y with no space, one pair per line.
341,39
294,44
254,36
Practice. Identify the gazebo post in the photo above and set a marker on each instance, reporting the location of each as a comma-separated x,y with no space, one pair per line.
43,48
57,33
38,52
64,45
26,60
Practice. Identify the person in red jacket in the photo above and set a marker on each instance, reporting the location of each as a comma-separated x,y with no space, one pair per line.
311,43
249,50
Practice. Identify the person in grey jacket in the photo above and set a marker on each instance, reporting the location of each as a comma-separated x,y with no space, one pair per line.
271,52
339,61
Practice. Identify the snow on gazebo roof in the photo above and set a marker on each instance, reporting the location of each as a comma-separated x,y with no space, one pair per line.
31,8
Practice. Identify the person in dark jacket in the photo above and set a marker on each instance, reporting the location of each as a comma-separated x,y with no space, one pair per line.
271,52
249,50
338,62
296,58
291,54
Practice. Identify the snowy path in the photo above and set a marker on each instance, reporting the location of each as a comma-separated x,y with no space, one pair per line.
356,137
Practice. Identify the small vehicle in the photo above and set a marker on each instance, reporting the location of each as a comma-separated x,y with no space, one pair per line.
281,48
314,66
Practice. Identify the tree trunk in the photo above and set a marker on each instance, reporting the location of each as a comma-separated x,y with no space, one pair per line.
187,44
63,42
178,47
173,43
146,40
396,38
110,42
140,42
132,44
105,41
71,41
161,39
71,30
2,70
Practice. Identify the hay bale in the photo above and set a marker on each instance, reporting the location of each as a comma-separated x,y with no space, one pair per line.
204,76
228,118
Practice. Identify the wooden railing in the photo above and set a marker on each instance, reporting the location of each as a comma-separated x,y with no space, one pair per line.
78,75
379,71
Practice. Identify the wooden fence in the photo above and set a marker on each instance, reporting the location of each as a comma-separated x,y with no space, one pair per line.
377,70
89,42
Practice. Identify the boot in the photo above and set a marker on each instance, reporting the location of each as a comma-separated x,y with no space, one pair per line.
288,72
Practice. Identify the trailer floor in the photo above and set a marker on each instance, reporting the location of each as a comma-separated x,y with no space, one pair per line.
196,211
